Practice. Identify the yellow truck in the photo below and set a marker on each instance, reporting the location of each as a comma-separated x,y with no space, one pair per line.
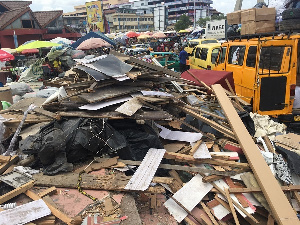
194,42
266,73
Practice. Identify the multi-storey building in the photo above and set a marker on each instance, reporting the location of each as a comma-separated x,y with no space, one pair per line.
176,8
76,19
125,19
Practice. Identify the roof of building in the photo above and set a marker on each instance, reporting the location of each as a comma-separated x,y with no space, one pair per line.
9,16
46,17
11,5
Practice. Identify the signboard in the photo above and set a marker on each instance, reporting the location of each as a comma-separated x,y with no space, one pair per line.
216,29
94,16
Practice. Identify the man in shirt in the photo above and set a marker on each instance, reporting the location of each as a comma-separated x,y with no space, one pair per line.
183,56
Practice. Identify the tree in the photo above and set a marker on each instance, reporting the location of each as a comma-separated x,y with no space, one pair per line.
202,21
183,23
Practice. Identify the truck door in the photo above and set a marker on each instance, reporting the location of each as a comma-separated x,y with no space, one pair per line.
272,95
235,63
220,64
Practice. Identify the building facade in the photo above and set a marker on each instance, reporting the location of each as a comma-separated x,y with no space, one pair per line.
19,24
130,20
176,8
76,19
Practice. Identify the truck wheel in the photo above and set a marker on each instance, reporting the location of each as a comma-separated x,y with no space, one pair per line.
290,14
291,24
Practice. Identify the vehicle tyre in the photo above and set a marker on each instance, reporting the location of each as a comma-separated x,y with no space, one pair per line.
290,14
291,24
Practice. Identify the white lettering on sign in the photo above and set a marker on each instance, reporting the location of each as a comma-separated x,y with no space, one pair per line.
216,29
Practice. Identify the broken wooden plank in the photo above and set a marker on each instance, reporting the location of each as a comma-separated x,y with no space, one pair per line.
183,168
113,182
191,159
53,209
208,212
232,209
257,189
130,107
189,201
16,192
211,123
104,164
5,166
141,179
48,191
280,206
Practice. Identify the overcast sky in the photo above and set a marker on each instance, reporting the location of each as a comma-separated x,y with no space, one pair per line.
224,6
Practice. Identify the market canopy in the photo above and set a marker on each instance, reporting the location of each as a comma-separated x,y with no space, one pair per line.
5,56
93,43
159,35
144,36
132,34
89,35
36,44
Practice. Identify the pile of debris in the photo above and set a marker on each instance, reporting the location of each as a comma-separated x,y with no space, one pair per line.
122,139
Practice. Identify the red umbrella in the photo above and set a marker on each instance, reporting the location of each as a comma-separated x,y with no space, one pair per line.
92,43
132,34
5,56
30,51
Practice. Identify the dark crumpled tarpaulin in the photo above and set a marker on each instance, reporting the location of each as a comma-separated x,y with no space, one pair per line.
68,141
139,139
293,159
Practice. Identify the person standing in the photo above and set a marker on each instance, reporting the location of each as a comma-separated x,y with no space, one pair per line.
183,56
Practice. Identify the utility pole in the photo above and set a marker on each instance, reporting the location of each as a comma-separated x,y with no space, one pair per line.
194,15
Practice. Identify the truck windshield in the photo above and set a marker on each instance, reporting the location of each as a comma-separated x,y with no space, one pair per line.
275,59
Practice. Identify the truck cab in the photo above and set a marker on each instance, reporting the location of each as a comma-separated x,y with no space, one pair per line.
265,72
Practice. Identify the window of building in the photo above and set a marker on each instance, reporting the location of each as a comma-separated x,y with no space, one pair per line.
132,27
135,19
115,19
151,19
27,24
142,4
128,19
131,19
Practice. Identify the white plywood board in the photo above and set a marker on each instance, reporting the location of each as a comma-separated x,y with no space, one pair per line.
130,107
178,135
156,93
221,184
143,176
189,196
100,105
25,213
202,152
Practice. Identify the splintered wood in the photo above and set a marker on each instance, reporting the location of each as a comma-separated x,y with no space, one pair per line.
144,174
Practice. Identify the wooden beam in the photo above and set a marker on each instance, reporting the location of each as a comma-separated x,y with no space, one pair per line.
48,191
16,192
211,123
280,206
208,212
60,215
232,209
257,189
6,165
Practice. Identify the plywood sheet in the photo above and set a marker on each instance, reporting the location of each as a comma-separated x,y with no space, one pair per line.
109,92
189,196
24,213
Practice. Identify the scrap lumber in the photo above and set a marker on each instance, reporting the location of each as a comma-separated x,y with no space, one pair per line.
48,191
10,161
211,123
191,159
57,213
183,168
208,212
232,209
113,182
281,208
16,192
257,189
